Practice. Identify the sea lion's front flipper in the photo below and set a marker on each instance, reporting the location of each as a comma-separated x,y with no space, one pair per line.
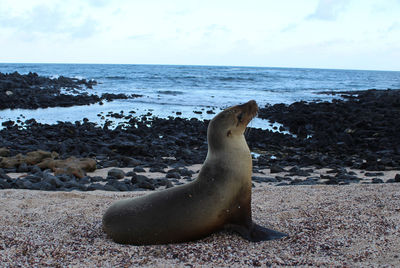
256,233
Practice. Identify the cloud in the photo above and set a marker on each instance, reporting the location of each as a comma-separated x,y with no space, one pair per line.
394,27
290,27
86,29
98,3
215,30
329,9
140,37
180,12
49,21
42,19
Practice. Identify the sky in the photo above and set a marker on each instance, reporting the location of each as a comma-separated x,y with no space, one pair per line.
335,34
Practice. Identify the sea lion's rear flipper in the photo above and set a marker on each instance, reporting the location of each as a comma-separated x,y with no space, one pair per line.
256,233
259,233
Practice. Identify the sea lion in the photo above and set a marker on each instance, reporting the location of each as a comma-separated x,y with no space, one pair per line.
219,198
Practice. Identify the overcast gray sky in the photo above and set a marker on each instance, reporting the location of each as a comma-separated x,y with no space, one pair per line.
346,34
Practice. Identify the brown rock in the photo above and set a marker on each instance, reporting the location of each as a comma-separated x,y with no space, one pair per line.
4,152
47,160
71,166
31,158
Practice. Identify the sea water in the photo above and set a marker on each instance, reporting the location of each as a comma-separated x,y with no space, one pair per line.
168,89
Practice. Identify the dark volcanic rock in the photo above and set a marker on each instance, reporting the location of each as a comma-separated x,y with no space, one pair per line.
109,187
263,179
22,184
377,180
4,184
95,186
74,185
137,144
365,126
33,178
360,132
157,169
145,185
308,181
31,91
296,171
3,174
53,180
118,185
173,175
140,181
23,167
140,169
164,182
96,179
85,180
276,169
116,173
185,172
374,174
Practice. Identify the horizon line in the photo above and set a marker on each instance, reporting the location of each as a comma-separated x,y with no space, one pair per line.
207,65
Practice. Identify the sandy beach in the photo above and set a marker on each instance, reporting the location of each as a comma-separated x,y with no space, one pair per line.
351,225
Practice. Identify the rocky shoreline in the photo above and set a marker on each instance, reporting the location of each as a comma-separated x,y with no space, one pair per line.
31,91
358,132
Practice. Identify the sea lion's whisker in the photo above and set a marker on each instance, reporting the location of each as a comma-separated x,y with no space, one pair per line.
247,132
248,129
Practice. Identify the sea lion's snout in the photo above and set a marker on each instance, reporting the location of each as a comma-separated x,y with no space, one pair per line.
250,108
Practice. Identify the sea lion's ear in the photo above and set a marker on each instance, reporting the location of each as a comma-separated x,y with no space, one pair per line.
240,117
229,133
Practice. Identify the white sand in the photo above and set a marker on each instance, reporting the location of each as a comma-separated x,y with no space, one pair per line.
352,225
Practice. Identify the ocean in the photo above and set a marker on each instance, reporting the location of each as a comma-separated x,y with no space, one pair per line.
168,89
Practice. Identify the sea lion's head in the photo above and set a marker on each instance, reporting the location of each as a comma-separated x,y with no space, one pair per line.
230,123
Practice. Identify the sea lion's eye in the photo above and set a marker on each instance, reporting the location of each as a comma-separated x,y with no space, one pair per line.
239,117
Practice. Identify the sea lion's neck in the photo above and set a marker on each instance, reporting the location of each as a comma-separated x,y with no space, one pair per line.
233,154
236,145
